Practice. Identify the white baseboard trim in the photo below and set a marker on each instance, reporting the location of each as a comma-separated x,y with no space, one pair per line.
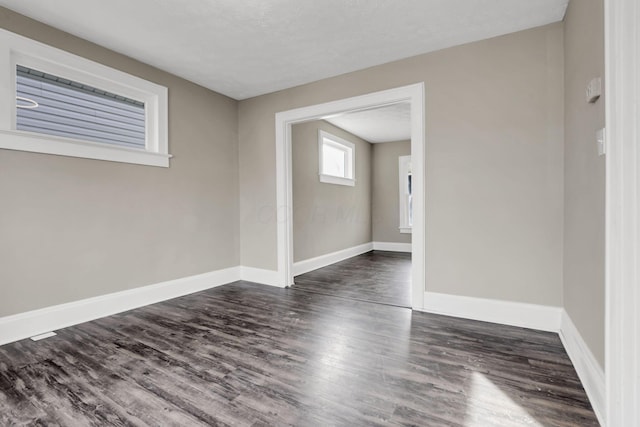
311,264
28,324
258,275
24,325
392,246
533,316
588,369
546,318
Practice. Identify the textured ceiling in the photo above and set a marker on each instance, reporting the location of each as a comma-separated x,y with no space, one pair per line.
251,47
384,124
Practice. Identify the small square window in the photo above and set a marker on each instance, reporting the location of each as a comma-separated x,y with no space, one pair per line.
336,159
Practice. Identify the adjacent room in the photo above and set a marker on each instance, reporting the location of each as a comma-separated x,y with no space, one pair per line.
351,185
318,213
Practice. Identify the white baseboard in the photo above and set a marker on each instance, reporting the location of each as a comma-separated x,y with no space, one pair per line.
545,318
258,275
540,317
311,264
392,246
315,263
28,324
588,369
24,325
533,316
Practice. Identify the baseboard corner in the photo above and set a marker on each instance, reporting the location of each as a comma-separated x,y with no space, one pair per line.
31,323
315,263
260,276
586,365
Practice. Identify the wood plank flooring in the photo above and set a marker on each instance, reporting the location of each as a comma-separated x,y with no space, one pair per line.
376,276
250,355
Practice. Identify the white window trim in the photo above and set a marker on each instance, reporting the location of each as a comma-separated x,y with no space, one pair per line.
15,49
351,161
403,170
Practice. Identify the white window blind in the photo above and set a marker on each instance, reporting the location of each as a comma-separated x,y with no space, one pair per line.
52,105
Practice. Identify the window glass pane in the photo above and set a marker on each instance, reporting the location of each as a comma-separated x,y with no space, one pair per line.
333,161
410,196
53,105
406,197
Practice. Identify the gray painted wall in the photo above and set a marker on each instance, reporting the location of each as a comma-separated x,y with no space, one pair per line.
584,174
75,228
496,207
386,192
494,168
328,217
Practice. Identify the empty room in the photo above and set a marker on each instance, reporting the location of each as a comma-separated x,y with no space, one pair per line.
305,213
352,222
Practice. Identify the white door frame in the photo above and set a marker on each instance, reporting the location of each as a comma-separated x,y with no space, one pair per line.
622,44
414,94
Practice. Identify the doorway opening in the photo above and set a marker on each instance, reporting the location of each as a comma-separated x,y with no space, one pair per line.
412,95
352,205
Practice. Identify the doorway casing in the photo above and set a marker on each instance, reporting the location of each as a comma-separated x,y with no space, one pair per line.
622,332
414,95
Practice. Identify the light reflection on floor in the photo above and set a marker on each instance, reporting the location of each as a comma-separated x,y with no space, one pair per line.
485,398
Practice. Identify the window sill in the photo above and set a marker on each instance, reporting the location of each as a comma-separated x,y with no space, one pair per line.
46,144
329,179
405,230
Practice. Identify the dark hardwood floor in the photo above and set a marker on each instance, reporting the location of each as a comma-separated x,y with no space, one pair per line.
376,276
250,355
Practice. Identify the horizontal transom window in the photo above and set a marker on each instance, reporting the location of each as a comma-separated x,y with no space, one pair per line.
53,105
62,104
